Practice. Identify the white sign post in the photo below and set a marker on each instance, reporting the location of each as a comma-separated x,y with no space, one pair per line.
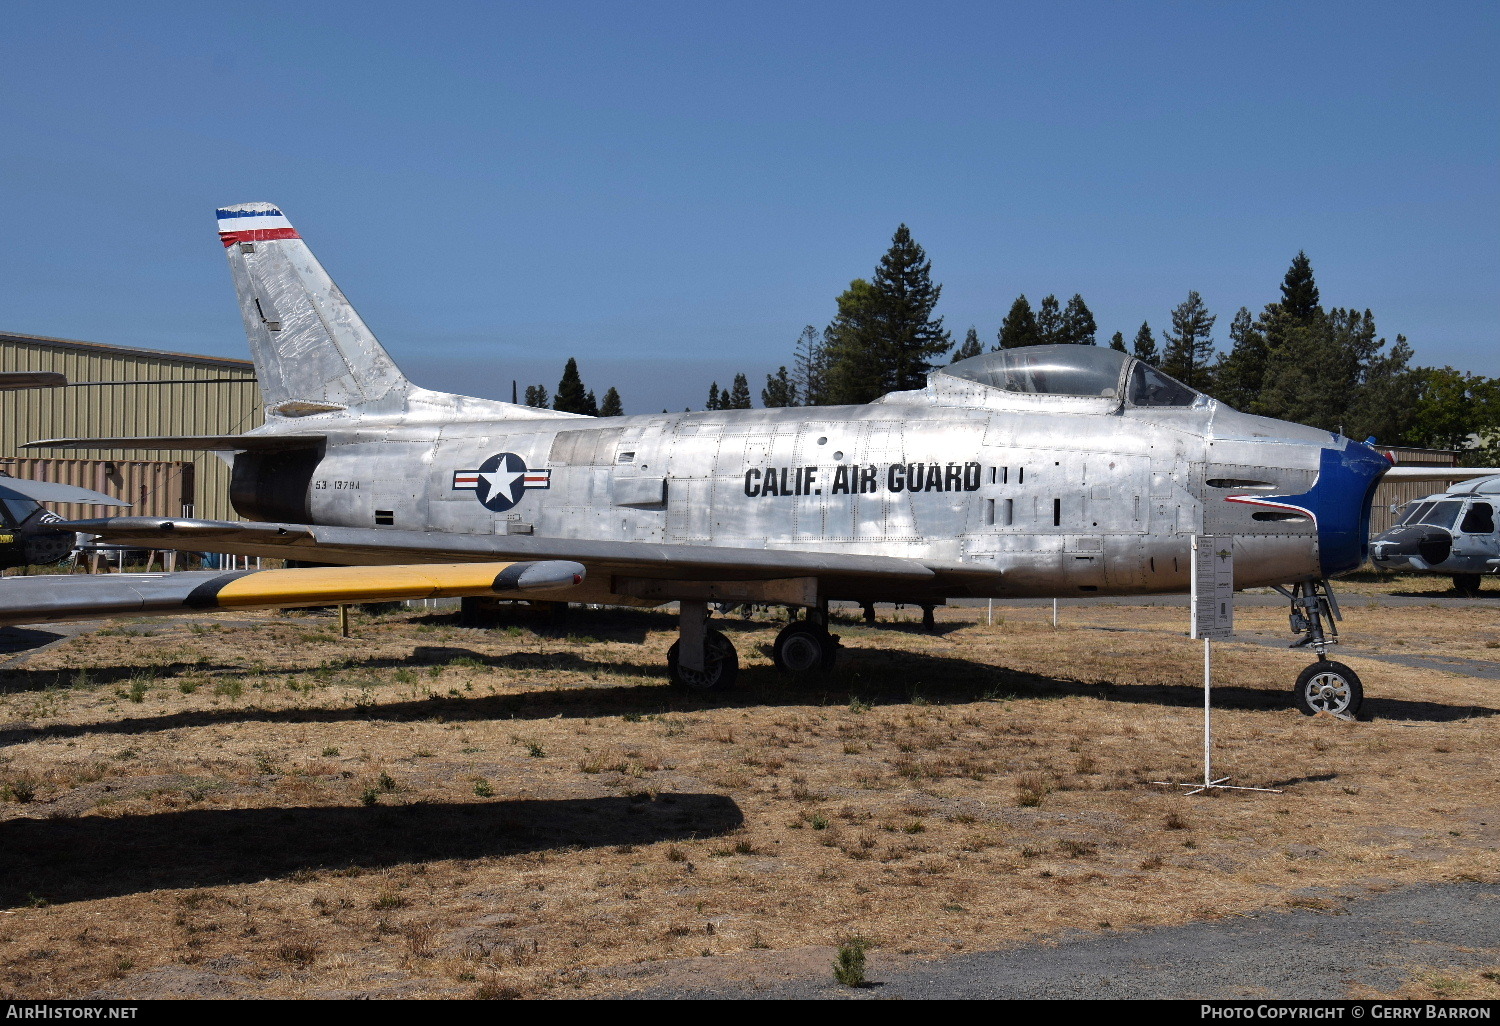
1212,619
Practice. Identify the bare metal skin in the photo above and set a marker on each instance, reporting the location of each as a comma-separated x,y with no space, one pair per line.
1049,471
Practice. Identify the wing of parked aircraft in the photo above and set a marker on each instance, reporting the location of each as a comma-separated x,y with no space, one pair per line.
53,597
1438,473
620,570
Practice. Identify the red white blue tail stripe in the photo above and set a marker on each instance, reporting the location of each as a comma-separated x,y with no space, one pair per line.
253,222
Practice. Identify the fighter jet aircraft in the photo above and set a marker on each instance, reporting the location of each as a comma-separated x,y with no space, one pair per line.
1045,471
1451,533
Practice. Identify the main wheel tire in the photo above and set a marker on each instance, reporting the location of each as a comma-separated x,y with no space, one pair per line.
1467,584
721,664
1327,686
804,648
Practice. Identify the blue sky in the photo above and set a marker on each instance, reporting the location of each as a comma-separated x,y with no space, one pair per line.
670,191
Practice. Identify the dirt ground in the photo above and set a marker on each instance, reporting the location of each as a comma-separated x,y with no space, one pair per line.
249,805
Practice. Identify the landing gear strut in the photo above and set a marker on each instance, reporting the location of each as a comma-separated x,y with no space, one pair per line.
1325,686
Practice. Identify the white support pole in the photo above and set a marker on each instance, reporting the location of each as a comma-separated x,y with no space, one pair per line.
990,614
1054,612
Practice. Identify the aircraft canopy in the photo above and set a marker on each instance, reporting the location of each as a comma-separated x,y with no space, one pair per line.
1076,371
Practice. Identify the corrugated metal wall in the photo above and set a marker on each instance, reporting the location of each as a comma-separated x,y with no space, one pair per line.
197,395
1399,494
153,489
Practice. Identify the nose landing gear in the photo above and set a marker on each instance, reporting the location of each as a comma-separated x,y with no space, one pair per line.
1325,686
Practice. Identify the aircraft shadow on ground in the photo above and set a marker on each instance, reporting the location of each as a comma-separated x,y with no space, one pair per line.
22,679
874,676
90,857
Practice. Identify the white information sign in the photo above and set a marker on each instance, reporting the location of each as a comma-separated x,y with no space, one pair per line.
1213,586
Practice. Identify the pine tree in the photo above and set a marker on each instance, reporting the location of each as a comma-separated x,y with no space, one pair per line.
1078,327
780,390
1299,292
536,395
571,396
885,337
1117,342
738,395
1189,343
611,406
590,404
853,373
810,368
970,347
1240,375
1049,322
1019,327
1144,347
713,398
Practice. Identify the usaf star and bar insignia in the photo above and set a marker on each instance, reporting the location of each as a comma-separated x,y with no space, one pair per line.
501,481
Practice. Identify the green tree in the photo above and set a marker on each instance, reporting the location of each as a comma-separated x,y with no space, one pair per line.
571,396
590,404
780,390
536,395
611,406
810,368
714,402
1240,374
1189,343
885,337
970,347
1078,327
737,397
1299,292
1049,322
1117,342
1144,346
1019,326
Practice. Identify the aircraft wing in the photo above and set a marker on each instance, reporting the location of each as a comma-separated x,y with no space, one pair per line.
51,491
839,573
51,597
1437,473
207,443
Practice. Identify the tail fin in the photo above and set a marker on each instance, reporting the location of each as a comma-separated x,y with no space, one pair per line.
313,353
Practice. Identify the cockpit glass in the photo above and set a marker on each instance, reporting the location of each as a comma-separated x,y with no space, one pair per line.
1046,370
1413,514
16,510
1150,387
1436,514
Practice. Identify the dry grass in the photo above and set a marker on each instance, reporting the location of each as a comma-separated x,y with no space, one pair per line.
226,807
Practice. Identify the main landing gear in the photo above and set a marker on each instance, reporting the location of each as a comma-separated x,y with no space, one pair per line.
1325,686
705,660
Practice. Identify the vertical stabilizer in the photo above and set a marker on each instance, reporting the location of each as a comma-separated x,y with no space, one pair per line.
313,353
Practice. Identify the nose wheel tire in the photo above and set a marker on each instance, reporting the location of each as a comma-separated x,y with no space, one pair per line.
804,648
1467,584
1330,687
721,664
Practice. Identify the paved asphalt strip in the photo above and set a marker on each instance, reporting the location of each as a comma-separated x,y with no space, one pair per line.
1359,947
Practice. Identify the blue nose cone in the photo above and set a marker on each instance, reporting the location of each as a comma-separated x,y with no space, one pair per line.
1340,503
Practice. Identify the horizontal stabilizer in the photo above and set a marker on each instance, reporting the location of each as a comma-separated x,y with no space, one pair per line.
208,443
1437,473
12,380
47,598
51,491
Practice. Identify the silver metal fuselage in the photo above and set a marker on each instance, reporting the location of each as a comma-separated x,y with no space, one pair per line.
1057,495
